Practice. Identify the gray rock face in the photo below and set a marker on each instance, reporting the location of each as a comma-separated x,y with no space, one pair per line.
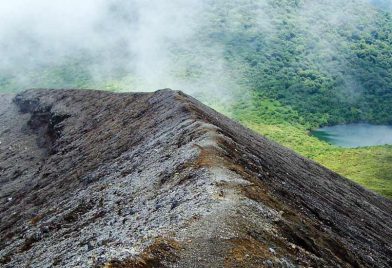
97,179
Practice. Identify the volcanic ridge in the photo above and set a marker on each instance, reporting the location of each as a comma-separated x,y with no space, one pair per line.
99,179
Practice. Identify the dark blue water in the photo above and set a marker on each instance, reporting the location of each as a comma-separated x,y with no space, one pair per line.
355,135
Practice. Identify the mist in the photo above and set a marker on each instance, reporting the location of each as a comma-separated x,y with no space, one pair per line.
125,45
137,45
383,4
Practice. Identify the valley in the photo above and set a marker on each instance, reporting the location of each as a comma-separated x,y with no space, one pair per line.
282,68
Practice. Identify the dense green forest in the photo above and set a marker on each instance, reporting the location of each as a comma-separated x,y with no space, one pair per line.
281,67
328,60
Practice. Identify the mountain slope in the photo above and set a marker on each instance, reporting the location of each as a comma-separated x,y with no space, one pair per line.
292,64
328,60
93,178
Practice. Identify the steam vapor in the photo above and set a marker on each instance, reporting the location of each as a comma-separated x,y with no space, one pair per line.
140,45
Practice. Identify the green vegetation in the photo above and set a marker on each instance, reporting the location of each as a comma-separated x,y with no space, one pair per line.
368,166
313,63
329,60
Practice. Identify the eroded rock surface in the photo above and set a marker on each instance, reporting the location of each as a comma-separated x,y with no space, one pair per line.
97,179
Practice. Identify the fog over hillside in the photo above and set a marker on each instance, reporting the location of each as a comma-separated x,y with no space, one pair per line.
384,4
109,40
144,45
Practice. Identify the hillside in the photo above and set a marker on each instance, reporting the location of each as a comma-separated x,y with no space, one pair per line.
98,179
328,60
280,67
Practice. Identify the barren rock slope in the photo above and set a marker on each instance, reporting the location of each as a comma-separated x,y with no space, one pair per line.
97,179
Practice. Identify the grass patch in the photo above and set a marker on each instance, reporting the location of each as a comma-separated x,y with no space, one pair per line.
369,166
